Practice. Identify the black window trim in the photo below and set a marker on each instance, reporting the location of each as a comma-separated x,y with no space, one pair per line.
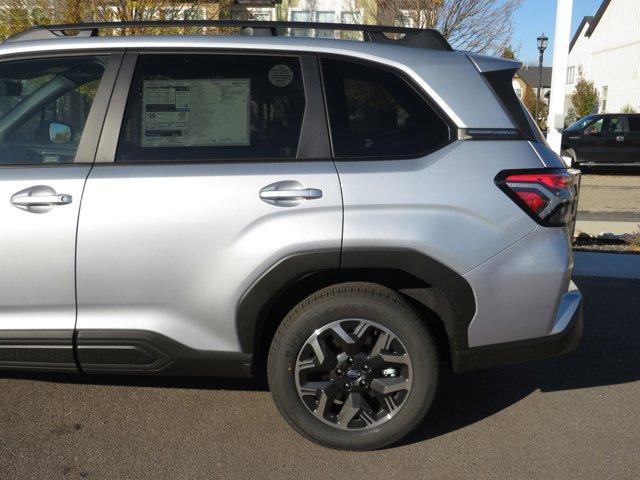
88,145
452,127
313,145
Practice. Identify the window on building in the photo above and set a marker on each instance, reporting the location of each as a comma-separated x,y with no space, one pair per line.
263,16
325,17
375,113
300,16
605,95
350,18
519,93
406,18
184,107
571,72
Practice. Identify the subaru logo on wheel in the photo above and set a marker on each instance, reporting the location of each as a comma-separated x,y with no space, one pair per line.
353,373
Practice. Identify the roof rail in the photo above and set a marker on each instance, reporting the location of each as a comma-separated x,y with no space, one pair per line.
414,37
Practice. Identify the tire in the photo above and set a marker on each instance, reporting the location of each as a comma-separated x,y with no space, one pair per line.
574,158
376,319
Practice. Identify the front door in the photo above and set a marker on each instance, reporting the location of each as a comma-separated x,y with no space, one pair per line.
222,169
48,133
601,141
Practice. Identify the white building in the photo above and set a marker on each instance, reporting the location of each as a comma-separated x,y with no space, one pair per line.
606,48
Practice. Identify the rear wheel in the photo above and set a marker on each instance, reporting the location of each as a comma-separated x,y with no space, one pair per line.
353,367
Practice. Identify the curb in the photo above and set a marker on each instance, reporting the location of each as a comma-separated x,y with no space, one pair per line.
595,228
611,265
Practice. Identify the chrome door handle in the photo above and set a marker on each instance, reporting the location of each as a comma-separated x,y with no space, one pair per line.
41,200
303,193
620,138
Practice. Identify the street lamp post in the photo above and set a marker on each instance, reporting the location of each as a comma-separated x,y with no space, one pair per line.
543,40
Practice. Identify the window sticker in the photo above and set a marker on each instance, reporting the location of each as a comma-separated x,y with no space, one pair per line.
280,75
195,113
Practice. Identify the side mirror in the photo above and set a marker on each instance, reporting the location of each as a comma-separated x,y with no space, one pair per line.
60,133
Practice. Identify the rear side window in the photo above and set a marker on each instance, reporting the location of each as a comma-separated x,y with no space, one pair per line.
375,113
634,124
212,107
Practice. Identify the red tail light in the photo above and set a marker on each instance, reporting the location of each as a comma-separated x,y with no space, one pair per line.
549,196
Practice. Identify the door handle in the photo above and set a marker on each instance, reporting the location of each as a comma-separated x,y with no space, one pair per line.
304,193
620,138
288,193
41,200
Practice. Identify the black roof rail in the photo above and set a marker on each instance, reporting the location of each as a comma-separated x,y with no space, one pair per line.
414,37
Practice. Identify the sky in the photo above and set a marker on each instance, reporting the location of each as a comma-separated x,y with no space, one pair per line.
538,16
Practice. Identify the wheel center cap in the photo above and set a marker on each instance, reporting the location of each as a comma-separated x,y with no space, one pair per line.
354,373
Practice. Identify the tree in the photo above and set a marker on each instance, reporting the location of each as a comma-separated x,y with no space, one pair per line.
530,101
18,15
628,108
585,99
482,26
508,53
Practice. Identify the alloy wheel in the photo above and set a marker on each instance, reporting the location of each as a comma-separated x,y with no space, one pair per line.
353,374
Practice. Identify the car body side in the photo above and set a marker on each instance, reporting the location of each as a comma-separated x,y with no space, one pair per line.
189,253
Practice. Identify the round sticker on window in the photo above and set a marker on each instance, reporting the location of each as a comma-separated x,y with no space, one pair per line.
280,75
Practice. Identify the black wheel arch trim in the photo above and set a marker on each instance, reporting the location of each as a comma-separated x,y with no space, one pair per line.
256,303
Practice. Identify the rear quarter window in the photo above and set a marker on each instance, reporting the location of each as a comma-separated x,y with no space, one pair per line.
375,113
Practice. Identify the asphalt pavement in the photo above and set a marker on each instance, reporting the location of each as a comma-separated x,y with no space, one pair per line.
610,194
573,417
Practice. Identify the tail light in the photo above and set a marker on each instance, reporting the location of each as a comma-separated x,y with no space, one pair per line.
549,196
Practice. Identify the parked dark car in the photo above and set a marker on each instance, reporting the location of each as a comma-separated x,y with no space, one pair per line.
605,138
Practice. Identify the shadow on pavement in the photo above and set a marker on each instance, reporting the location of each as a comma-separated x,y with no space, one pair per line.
207,383
609,355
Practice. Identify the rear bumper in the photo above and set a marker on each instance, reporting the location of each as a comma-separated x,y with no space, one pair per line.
564,338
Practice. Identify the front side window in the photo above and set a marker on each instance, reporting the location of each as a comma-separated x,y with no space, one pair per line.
634,124
44,105
578,125
607,125
375,113
595,128
212,107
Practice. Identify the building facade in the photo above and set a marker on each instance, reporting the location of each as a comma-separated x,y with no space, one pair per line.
606,50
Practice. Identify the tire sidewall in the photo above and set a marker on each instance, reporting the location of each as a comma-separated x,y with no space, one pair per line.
419,346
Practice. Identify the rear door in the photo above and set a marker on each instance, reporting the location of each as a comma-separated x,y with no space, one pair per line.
632,140
51,113
212,169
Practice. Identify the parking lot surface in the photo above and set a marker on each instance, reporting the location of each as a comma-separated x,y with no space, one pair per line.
576,416
610,194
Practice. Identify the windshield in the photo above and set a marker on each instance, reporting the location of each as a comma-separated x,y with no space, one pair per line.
580,124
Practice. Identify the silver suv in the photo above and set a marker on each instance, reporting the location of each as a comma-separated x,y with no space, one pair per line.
349,215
